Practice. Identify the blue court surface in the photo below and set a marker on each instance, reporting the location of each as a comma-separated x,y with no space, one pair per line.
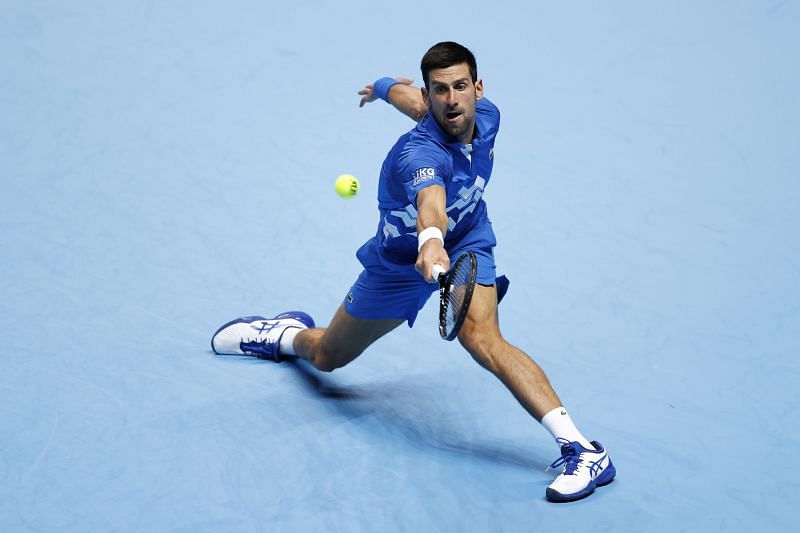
167,166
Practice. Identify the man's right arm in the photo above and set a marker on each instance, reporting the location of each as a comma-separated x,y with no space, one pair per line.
405,98
431,213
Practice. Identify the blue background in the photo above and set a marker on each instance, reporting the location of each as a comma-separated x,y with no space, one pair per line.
168,166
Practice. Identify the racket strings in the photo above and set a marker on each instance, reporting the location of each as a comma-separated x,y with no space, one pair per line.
457,285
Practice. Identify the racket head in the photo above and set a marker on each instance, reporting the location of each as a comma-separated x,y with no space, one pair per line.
455,294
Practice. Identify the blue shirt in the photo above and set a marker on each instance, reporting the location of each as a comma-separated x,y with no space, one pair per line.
427,156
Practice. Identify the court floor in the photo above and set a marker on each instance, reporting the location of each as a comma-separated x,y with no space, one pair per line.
168,166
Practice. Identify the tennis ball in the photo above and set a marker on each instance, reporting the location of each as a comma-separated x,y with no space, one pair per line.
346,186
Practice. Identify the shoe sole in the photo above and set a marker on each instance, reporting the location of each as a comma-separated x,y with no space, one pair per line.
604,479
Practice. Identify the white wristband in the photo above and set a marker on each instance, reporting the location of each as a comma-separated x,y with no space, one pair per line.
427,234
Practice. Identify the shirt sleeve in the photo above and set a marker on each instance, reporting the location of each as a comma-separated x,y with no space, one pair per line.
420,167
488,116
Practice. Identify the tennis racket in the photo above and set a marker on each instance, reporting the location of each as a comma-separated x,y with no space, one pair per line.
455,293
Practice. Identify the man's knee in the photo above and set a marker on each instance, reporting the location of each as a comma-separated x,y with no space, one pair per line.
482,345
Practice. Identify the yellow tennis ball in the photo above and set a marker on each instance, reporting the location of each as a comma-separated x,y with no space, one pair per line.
347,186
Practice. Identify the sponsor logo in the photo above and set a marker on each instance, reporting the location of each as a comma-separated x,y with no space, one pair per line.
422,175
491,153
265,326
349,298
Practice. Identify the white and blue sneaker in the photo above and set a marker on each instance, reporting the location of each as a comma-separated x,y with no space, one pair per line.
584,470
256,335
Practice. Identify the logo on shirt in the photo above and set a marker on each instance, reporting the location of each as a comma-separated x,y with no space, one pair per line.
491,153
422,175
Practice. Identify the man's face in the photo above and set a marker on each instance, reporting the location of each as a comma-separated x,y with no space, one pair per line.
451,99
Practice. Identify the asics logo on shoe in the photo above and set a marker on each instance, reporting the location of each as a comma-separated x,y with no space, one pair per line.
265,327
595,466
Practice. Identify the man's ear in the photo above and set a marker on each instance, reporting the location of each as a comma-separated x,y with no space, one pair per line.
425,96
479,89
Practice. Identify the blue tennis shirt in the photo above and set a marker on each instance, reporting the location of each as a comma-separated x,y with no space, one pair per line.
427,156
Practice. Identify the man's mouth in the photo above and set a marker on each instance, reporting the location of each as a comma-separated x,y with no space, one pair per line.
452,115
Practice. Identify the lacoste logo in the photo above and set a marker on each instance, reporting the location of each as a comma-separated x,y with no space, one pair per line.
349,298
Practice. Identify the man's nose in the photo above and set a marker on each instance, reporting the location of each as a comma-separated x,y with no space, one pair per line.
451,97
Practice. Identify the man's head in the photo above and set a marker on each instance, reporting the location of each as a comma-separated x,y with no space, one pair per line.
446,54
452,88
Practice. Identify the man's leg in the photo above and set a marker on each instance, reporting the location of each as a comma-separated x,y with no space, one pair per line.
345,338
585,465
481,337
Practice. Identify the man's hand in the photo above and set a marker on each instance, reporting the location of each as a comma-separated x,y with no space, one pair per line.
432,253
368,95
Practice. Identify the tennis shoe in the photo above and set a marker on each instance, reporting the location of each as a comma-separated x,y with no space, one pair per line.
583,471
256,335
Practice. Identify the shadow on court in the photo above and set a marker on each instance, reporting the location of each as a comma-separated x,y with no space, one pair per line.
411,414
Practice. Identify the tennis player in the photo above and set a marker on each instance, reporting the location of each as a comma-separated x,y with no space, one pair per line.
431,211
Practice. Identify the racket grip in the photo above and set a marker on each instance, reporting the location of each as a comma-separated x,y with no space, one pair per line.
437,271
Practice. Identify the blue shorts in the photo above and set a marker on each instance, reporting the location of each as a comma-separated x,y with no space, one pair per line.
384,293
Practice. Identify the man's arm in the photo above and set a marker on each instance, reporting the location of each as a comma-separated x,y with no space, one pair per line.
405,98
431,213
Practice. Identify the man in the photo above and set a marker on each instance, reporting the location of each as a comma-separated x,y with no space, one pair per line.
430,190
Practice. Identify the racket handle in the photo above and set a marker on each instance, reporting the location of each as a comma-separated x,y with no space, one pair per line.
437,271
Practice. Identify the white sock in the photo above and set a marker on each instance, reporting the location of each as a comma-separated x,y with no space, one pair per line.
286,345
560,426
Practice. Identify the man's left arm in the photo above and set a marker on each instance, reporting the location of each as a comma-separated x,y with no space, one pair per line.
400,93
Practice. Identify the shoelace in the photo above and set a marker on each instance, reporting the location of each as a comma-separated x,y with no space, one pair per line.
261,335
259,348
569,457
263,347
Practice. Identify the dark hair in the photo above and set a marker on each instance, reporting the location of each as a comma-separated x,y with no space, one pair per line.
446,54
